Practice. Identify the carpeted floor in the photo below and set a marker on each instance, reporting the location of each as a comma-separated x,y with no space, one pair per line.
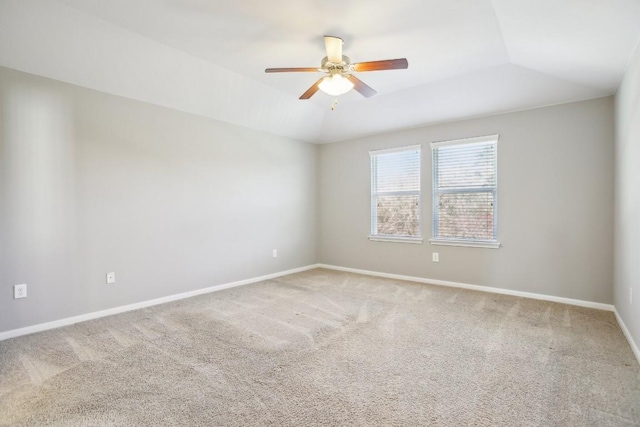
328,348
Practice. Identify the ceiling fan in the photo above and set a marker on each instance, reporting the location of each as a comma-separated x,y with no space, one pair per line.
339,71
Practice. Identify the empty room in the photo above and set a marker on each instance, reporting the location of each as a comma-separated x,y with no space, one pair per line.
337,213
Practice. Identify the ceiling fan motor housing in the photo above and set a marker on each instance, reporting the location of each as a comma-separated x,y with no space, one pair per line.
343,67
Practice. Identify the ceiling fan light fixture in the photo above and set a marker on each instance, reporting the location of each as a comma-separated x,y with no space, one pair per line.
338,70
335,85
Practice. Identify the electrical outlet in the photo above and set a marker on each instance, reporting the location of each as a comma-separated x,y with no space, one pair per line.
111,277
435,257
275,253
19,291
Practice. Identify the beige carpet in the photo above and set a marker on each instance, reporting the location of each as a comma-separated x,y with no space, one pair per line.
328,348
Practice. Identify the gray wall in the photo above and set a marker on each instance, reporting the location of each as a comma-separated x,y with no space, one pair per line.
627,207
92,183
555,204
172,202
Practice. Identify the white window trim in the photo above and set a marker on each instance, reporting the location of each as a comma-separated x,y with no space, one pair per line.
474,140
489,244
396,239
400,239
395,149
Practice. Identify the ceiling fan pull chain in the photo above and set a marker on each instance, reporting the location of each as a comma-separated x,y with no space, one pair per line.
333,106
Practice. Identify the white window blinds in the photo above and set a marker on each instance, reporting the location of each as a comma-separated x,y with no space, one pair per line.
395,193
465,184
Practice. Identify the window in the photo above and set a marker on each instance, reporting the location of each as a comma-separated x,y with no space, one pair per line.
395,194
465,191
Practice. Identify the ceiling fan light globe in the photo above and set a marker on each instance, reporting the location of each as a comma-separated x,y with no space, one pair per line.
335,85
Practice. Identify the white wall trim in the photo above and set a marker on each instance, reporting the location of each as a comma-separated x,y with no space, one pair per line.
627,334
138,305
570,301
143,304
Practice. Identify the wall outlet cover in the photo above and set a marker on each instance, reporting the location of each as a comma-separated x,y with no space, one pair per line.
111,277
19,291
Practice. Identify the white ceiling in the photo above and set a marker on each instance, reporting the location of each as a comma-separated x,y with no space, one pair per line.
466,57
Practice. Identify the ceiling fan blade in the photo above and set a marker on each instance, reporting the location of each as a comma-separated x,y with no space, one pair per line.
387,64
362,87
333,45
290,70
312,90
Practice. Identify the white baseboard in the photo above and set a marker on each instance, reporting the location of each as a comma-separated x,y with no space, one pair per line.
129,307
627,335
581,303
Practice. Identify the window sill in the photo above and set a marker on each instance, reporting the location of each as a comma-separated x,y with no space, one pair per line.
396,239
471,244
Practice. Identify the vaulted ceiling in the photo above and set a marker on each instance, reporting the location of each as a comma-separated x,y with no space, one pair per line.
467,58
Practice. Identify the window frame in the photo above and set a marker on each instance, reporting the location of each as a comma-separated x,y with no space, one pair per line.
375,193
447,241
